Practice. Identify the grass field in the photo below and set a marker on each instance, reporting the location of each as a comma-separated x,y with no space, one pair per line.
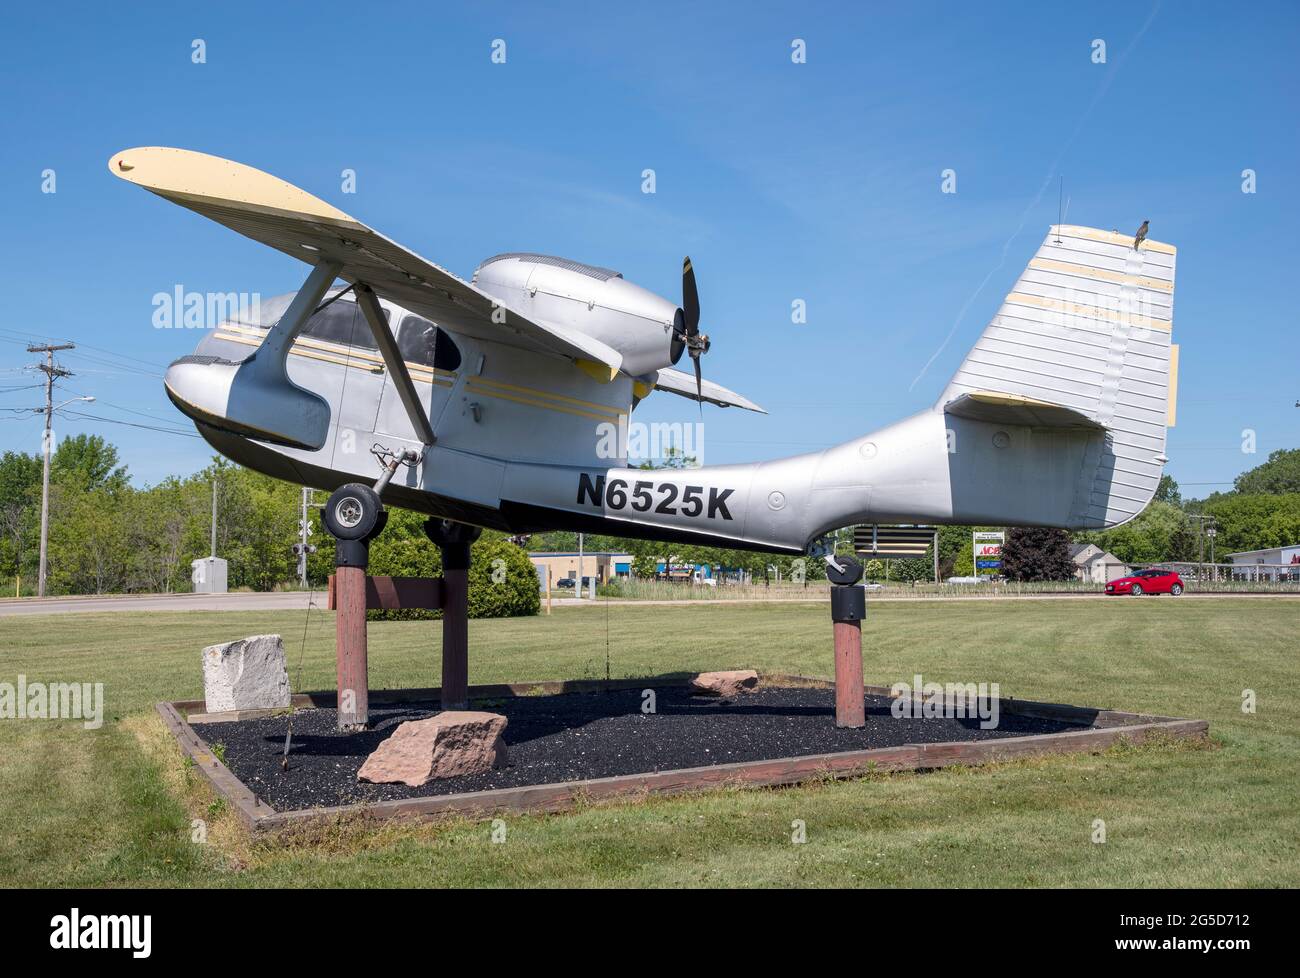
114,806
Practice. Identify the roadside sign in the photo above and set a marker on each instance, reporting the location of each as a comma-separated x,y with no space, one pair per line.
876,542
988,551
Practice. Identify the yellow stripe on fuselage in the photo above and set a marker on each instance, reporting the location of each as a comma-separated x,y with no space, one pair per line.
534,392
327,352
470,385
338,354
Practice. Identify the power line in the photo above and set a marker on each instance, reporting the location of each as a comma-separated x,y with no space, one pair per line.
132,424
118,407
20,336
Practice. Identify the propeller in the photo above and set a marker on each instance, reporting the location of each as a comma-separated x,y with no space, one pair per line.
686,325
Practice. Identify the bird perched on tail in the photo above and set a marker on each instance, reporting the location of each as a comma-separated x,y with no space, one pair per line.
1141,235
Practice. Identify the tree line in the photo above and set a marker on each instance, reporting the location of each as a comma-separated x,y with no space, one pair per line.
107,536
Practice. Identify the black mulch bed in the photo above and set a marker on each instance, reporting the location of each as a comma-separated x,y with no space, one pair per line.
575,736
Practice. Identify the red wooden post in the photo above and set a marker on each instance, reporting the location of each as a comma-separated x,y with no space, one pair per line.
455,636
850,704
349,594
848,608
454,540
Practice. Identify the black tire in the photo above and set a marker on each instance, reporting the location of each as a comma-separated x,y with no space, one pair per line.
1136,590
1176,590
354,512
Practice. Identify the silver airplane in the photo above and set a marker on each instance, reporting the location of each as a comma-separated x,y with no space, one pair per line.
491,402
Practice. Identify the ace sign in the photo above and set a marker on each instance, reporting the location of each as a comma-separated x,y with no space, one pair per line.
988,551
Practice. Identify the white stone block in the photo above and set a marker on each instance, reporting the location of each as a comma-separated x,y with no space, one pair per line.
248,674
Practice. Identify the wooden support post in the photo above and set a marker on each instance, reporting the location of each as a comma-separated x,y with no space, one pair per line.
848,608
454,540
350,639
850,702
455,634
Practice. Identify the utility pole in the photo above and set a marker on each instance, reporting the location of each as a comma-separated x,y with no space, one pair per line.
303,548
1201,533
214,516
52,373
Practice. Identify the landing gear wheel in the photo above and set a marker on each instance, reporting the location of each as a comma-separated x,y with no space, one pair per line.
1136,590
354,512
1176,590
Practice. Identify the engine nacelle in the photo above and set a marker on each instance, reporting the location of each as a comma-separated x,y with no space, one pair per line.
596,301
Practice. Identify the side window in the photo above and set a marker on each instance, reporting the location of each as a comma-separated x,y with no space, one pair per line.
341,322
422,342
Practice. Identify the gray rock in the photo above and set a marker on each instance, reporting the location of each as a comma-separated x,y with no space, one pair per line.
248,674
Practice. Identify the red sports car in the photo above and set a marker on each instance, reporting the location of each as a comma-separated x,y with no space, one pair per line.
1152,581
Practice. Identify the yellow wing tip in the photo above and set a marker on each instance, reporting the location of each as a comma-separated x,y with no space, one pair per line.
184,175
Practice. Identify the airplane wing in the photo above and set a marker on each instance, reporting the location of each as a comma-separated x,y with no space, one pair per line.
679,382
278,214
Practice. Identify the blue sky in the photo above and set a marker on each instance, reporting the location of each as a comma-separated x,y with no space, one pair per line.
818,181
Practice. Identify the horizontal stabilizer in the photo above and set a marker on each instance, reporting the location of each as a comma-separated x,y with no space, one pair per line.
1013,409
682,383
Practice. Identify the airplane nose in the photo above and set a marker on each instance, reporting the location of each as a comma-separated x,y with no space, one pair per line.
200,387
240,399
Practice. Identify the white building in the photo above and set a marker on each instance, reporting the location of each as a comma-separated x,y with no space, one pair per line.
1094,565
1273,564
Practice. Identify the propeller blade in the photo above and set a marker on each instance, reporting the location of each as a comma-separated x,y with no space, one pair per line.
690,299
679,335
699,384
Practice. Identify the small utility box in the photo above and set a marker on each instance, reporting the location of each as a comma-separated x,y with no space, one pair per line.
208,575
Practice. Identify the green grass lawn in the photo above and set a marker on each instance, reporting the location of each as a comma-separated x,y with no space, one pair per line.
114,806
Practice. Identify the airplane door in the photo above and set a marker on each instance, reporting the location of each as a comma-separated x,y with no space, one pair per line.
433,361
363,381
336,356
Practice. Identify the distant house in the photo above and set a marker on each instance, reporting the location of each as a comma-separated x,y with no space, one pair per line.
1094,565
1274,564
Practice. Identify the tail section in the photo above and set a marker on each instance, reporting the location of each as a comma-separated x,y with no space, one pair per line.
1078,361
1056,417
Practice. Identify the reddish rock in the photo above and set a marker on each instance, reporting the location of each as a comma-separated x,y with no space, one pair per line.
452,743
728,685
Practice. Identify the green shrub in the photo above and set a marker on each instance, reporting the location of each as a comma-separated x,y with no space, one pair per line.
496,590
502,581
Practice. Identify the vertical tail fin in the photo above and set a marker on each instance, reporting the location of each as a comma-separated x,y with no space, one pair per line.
1083,342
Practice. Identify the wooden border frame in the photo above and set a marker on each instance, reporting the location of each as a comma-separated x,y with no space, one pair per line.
1108,727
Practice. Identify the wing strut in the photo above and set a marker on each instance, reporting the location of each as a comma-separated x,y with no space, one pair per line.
393,361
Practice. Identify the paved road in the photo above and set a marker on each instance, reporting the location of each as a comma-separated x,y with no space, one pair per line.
239,601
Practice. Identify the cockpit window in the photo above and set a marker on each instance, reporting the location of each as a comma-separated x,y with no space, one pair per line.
422,342
339,322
